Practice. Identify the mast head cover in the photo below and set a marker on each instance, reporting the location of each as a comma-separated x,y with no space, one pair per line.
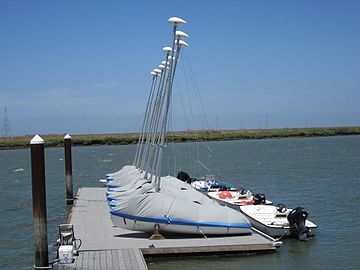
158,71
181,34
181,43
167,49
176,21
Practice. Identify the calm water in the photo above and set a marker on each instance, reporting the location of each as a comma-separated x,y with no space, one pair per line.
320,174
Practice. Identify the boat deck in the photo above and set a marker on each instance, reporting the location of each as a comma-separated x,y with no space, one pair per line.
101,241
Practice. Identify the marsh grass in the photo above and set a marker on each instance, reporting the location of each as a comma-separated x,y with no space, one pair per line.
56,140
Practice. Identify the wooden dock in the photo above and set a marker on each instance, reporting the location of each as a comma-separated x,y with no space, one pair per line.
107,247
113,259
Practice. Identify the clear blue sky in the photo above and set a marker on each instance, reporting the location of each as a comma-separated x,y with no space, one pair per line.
83,66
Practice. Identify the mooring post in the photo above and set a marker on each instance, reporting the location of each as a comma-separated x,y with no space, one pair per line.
68,169
39,202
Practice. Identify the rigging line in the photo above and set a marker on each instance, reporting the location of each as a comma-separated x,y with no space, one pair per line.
173,151
199,100
187,125
188,93
202,164
162,116
197,137
154,126
209,148
202,107
199,97
189,121
197,91
183,106
171,117
145,122
150,130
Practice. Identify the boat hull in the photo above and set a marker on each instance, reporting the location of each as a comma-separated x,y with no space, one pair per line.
280,229
175,208
139,224
234,205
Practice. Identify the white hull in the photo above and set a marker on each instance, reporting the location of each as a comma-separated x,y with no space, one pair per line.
263,218
277,231
235,202
209,186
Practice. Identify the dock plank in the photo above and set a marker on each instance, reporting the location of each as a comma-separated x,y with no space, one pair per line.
105,259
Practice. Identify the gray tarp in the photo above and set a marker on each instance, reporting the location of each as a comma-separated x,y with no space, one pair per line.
177,201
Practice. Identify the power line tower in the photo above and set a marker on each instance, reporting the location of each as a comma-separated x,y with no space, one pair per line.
6,130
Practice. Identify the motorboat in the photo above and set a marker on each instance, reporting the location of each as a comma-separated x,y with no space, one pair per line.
206,184
236,198
278,221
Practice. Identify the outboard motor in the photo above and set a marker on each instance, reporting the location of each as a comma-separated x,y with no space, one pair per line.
297,218
259,199
183,176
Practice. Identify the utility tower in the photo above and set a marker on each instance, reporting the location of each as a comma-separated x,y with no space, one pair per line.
6,130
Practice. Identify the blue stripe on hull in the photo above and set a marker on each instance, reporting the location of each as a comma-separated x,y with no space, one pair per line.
112,185
177,221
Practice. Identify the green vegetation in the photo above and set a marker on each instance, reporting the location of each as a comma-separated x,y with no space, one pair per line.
183,136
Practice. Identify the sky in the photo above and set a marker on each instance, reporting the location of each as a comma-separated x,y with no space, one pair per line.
83,66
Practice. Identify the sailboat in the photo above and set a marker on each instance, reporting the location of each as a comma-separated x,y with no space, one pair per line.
139,197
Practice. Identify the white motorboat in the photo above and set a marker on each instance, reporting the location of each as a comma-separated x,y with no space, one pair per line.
236,198
278,221
206,184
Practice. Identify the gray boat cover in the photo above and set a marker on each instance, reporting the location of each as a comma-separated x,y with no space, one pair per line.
176,202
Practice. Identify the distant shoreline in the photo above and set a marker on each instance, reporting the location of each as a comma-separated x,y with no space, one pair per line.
56,140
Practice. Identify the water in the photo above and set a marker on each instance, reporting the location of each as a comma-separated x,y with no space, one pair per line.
320,174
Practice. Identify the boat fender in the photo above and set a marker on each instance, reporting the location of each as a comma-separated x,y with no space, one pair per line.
225,195
281,208
245,202
297,218
259,199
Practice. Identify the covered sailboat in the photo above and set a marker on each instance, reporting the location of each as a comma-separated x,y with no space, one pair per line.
139,197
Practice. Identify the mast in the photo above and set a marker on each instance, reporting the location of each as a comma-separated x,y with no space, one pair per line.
154,121
151,141
161,140
146,117
157,162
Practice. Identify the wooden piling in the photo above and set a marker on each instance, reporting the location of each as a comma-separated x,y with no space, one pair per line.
68,169
39,202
